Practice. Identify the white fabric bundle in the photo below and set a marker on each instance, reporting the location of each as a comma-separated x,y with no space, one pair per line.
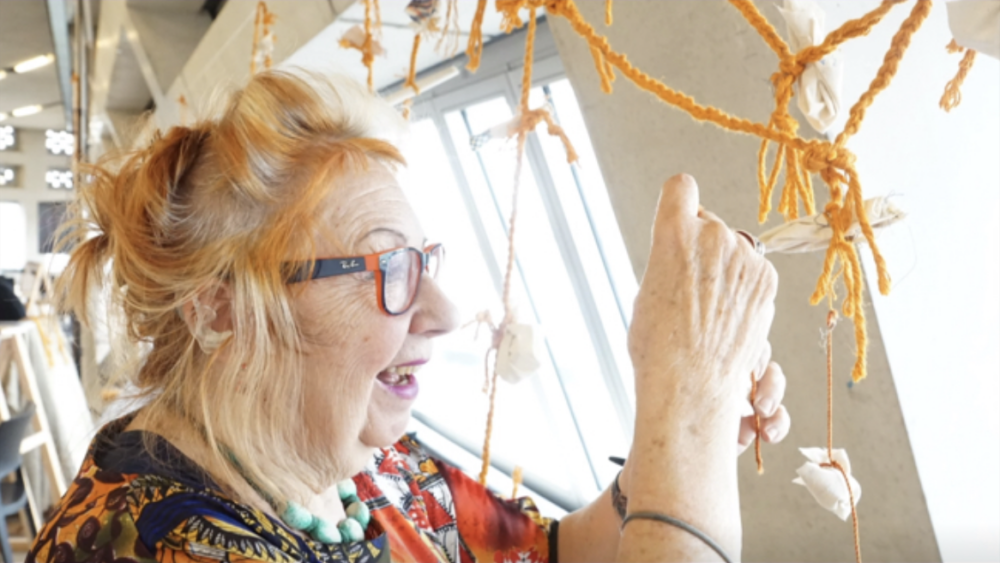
975,24
520,351
820,84
813,233
826,484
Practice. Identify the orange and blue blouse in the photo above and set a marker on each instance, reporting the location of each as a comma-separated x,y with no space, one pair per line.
130,504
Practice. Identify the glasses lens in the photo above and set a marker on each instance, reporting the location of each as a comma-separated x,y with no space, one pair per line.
435,260
402,277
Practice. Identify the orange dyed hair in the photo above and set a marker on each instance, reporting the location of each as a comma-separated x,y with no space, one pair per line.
224,201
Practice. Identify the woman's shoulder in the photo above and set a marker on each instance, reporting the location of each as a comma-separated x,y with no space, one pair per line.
112,514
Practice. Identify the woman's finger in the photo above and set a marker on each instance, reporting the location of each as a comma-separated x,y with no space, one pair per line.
765,361
770,390
775,428
748,432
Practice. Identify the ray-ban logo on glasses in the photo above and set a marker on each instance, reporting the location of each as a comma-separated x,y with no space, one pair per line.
349,264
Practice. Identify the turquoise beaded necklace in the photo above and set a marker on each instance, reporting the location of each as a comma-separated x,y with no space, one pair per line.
350,529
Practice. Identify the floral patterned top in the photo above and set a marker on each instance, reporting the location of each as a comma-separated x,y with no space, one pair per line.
127,505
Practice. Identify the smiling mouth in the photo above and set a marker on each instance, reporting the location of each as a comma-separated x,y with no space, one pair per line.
398,376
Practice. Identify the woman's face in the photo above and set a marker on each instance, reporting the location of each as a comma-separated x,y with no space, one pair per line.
355,399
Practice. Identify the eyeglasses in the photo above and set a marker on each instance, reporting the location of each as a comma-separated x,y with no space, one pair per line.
397,273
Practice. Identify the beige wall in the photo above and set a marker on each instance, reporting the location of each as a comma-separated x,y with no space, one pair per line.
707,50
34,161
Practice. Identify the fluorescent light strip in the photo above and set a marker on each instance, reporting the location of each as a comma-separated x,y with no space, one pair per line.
34,63
26,110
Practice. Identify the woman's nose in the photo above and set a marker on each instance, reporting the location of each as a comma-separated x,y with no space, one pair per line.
434,313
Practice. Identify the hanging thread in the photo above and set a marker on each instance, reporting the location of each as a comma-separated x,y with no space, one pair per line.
263,38
475,49
831,323
526,121
411,78
952,91
756,425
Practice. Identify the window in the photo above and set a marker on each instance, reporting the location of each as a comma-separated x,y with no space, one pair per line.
13,236
59,178
8,137
50,216
572,278
10,176
59,142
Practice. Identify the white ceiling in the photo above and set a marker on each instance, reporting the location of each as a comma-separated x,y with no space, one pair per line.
25,33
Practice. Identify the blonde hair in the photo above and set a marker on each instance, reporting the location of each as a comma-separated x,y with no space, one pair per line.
225,201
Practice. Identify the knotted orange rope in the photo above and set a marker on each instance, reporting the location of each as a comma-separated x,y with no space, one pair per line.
831,323
373,22
952,91
608,16
831,160
262,22
526,121
411,78
475,49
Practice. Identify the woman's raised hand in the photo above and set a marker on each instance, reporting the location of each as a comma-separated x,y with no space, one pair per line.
703,310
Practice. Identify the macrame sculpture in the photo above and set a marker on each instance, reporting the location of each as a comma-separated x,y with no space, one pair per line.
424,16
845,216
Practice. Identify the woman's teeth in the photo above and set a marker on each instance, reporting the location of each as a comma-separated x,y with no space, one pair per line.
399,375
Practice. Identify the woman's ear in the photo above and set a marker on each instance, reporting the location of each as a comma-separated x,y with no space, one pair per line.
208,315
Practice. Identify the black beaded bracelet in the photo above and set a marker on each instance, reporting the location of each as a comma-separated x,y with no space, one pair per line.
680,524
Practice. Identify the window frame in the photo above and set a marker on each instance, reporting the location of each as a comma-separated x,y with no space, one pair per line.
500,76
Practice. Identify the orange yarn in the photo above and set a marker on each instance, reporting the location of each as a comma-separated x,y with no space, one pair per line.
527,120
608,17
516,477
262,22
475,49
952,91
831,323
756,423
411,78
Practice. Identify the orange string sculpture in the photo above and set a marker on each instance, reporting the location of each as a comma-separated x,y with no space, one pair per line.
525,122
952,91
832,160
262,22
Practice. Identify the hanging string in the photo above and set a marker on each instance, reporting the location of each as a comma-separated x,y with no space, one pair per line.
516,477
368,48
448,41
182,109
411,78
475,49
608,17
263,39
526,121
756,425
831,323
952,91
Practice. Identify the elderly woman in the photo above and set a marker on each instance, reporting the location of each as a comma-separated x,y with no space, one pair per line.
281,294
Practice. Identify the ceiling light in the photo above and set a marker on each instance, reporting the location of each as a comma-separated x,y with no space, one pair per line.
34,63
3,116
3,74
26,110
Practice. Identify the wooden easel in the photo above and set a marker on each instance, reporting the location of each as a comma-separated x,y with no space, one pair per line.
14,350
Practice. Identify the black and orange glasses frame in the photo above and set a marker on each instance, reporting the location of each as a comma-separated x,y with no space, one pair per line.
397,273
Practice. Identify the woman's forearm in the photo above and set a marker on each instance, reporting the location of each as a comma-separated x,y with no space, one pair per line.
591,533
683,465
